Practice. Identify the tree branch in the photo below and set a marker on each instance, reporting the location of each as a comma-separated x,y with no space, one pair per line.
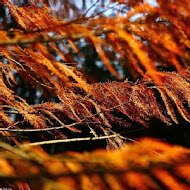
70,140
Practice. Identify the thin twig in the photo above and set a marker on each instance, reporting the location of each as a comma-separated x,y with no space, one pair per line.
90,8
86,139
39,130
60,127
70,140
29,74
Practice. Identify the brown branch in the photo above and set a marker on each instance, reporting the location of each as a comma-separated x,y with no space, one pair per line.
40,37
43,39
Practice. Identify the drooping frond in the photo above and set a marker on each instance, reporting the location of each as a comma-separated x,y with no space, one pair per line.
106,107
144,38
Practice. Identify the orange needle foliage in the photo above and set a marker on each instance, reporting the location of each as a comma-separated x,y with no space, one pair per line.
144,39
147,164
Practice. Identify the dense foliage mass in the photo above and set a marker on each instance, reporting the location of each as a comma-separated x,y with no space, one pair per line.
53,55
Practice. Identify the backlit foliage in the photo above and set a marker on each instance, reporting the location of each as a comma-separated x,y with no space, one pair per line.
148,41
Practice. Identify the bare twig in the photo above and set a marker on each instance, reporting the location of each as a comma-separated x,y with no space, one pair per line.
70,140
86,139
91,8
39,130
